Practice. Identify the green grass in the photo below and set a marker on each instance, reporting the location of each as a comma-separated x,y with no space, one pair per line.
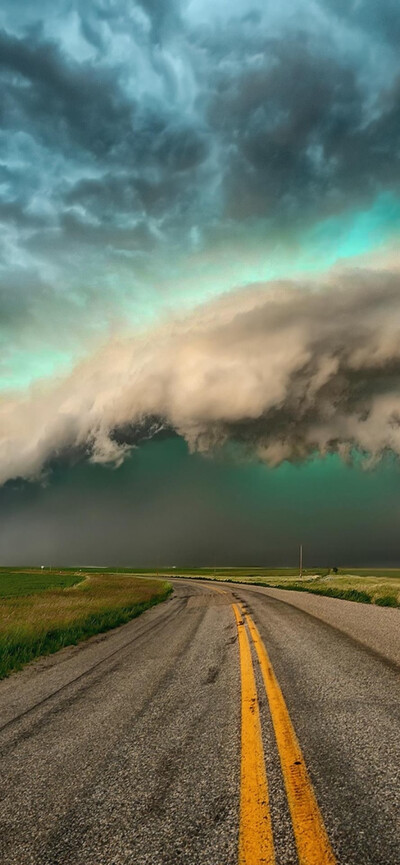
49,619
344,594
15,583
43,610
391,573
379,586
387,601
368,586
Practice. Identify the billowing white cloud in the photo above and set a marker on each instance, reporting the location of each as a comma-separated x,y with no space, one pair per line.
287,369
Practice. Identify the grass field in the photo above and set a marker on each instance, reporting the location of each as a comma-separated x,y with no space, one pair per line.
365,585
16,583
43,610
38,618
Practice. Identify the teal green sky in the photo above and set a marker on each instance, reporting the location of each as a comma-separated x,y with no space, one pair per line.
154,158
164,507
342,240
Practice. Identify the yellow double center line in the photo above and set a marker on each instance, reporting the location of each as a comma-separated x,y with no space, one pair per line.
255,833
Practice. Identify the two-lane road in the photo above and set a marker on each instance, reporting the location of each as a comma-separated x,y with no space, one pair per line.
224,726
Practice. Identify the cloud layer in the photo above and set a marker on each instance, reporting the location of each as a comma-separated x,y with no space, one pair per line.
286,370
135,135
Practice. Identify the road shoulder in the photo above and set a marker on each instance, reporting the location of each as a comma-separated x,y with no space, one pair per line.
376,628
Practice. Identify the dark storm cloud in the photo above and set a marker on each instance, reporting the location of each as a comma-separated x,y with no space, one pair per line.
379,18
135,138
13,290
88,164
302,138
76,105
288,122
65,105
136,237
289,370
132,133
164,15
165,507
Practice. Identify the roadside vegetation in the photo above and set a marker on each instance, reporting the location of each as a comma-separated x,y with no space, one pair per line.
366,590
367,586
42,610
38,619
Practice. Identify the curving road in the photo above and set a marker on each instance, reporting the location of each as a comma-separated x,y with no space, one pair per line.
227,725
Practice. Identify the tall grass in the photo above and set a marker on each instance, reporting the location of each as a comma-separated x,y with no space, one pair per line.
344,594
42,623
382,589
372,589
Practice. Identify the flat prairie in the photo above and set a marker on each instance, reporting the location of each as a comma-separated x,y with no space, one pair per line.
365,585
36,619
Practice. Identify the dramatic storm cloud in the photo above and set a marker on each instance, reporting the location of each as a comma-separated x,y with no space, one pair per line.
199,208
158,153
287,370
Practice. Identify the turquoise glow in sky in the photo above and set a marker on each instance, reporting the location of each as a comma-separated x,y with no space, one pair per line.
149,163
163,507
200,212
339,240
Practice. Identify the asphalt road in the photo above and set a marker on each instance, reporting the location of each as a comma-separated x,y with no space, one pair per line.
151,744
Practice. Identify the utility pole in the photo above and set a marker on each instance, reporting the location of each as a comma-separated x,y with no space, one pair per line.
301,559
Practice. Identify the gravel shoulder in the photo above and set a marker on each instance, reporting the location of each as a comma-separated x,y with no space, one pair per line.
126,749
376,628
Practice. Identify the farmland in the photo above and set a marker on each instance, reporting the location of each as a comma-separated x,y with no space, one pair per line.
41,612
17,583
364,585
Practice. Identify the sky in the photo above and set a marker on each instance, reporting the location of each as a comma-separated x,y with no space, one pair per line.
199,281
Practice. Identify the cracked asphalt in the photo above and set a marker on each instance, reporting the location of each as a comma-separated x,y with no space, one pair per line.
126,749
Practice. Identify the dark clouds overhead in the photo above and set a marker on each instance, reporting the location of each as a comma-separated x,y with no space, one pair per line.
381,18
140,130
163,507
155,154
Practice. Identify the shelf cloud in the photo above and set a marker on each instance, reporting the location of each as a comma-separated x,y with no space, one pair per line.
286,369
199,212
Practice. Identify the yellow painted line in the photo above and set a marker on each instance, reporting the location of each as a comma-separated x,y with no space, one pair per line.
255,832
312,842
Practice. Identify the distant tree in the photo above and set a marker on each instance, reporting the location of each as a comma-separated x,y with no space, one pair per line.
335,570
